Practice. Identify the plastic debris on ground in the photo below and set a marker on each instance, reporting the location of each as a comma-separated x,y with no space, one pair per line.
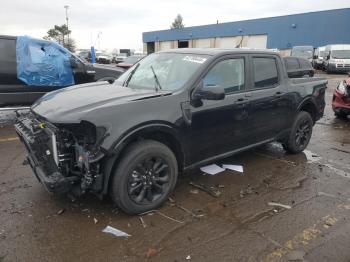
279,205
114,231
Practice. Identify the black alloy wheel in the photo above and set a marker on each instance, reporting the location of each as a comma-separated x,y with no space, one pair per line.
143,177
149,180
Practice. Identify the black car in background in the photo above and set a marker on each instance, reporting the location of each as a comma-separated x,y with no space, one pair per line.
29,68
298,67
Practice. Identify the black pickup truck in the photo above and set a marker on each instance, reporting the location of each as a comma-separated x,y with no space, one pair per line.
170,112
29,68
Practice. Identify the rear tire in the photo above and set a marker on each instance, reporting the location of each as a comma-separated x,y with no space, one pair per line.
144,177
300,134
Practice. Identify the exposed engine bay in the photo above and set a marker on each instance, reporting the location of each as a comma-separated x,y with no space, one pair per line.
65,158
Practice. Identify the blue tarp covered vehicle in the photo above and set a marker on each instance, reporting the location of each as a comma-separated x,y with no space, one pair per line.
43,63
29,68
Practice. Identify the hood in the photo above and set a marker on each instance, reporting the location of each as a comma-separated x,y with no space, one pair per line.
72,103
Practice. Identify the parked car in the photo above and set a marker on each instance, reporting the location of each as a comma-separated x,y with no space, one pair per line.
319,57
341,99
103,58
298,67
175,110
121,57
306,52
337,58
30,67
130,61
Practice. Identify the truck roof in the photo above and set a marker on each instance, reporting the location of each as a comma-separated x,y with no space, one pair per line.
217,51
338,47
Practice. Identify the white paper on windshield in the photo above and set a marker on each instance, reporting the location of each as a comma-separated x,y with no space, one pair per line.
237,168
194,59
212,169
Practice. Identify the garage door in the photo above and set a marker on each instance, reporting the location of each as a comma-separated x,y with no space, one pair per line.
165,45
257,41
202,43
226,42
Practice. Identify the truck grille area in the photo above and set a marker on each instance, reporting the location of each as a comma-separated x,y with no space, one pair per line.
44,152
38,142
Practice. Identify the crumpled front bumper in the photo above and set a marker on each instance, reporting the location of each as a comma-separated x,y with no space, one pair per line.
341,103
40,156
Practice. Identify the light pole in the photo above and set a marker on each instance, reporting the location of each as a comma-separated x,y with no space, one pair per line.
66,7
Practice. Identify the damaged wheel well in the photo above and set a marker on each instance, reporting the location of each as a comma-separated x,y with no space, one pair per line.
149,134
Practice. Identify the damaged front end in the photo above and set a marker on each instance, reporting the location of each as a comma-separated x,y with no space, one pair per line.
341,98
64,157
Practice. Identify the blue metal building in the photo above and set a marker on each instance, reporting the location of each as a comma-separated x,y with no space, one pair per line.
282,32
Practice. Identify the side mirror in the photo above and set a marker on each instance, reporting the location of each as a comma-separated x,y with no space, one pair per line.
211,92
73,62
315,56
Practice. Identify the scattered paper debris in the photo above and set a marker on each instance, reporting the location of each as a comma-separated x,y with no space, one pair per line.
188,257
194,191
95,220
212,169
279,205
237,168
114,231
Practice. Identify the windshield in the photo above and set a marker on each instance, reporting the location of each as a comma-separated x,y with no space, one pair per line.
302,52
172,70
321,54
341,54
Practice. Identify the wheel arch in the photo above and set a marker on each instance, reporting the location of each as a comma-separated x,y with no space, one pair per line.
161,132
308,105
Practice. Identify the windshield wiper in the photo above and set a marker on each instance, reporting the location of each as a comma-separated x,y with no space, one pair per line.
156,79
131,74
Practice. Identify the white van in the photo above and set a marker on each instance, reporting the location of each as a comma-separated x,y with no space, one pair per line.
337,58
319,57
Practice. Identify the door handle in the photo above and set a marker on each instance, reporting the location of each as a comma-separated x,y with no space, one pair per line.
278,94
241,100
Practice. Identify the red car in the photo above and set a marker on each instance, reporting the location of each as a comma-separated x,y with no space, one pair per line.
130,61
341,98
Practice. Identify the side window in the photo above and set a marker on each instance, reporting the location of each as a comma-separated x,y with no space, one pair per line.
305,64
228,74
265,72
291,63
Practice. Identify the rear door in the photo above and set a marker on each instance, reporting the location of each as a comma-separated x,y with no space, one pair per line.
270,105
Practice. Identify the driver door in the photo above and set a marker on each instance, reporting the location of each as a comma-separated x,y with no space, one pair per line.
222,126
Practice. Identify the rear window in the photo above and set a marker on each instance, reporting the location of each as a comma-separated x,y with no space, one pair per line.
291,63
265,72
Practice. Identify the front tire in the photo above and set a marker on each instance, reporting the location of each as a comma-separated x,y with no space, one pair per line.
300,134
145,176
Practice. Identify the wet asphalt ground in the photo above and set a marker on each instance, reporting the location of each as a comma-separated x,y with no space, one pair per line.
238,225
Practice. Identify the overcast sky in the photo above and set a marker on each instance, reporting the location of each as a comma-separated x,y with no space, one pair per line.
121,22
